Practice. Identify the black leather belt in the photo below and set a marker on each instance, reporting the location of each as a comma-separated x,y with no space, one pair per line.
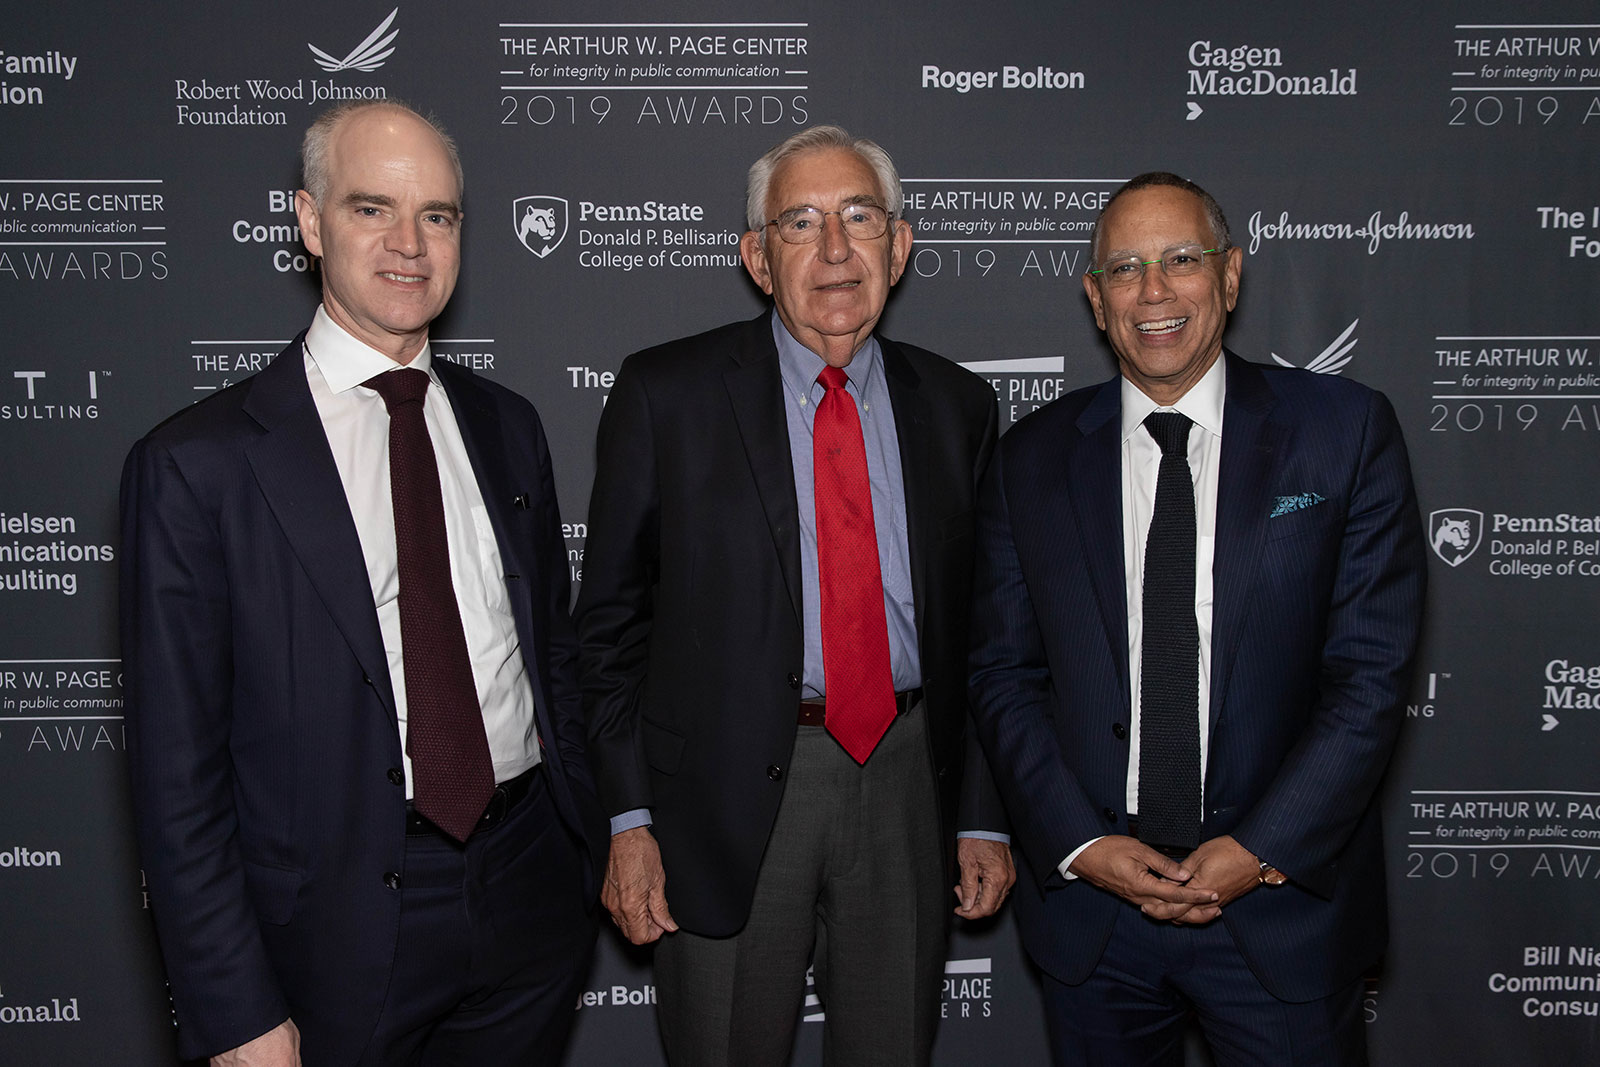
813,712
1176,852
506,797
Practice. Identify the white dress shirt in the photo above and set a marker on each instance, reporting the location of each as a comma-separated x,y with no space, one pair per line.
357,424
1141,462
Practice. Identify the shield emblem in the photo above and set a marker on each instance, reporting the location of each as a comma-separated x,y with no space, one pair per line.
540,223
1455,533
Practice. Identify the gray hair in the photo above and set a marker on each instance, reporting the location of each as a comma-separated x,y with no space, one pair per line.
1214,216
817,138
314,148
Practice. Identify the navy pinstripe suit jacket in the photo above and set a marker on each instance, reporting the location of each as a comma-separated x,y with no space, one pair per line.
1315,627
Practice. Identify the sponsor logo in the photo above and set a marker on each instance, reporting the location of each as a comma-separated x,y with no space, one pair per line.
19,856
369,55
1374,231
53,64
540,223
53,1012
965,994
1007,77
1455,534
1334,358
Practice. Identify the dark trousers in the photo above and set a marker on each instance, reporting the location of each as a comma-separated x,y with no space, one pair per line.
853,882
1155,977
494,946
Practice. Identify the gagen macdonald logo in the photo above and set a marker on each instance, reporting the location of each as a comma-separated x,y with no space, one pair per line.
368,55
1334,358
1455,534
1374,231
253,101
540,222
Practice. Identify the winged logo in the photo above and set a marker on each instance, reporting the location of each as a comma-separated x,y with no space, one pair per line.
1330,360
368,55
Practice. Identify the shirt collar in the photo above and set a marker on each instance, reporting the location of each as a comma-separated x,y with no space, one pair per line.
1202,403
800,366
345,362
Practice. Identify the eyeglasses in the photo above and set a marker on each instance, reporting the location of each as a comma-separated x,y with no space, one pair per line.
1175,263
861,222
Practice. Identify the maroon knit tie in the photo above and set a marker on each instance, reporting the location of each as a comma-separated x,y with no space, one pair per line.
855,633
450,764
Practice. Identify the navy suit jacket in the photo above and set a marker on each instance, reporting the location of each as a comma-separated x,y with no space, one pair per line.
262,734
690,611
1315,624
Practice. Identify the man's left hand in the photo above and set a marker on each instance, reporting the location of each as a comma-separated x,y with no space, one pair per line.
987,875
1225,867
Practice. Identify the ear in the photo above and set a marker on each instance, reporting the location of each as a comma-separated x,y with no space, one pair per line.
305,209
1230,275
1092,289
755,260
899,250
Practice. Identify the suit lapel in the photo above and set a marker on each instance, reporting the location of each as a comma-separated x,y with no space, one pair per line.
295,471
913,424
755,388
1252,452
1095,470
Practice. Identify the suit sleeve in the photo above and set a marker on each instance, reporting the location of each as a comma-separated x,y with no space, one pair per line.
616,603
1013,697
561,661
177,655
980,807
1315,802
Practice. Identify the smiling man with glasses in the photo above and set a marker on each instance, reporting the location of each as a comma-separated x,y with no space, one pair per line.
774,627
1199,589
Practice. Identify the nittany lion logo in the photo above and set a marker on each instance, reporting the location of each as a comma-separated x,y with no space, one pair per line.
540,222
1455,534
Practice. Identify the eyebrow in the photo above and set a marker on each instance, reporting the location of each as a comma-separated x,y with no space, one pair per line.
1124,253
358,197
849,201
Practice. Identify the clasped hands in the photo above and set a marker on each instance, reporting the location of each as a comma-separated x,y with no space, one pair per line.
1190,891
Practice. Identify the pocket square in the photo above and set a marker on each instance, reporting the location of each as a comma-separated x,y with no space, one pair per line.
1283,505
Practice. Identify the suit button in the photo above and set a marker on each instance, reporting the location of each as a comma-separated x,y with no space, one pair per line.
1119,731
392,880
397,776
366,679
1110,814
774,772
793,680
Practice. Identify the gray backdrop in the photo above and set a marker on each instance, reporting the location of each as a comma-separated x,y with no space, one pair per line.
1413,184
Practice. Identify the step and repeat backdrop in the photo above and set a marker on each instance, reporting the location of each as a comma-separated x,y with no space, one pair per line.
1414,186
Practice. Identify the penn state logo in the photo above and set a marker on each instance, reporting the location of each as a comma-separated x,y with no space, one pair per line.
1455,534
540,223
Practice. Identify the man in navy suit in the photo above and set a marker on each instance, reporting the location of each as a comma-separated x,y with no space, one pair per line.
1191,762
366,818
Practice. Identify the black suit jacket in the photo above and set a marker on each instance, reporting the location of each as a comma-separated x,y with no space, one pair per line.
1318,580
690,609
261,725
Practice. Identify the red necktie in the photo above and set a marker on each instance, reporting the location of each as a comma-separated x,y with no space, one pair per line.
855,634
450,764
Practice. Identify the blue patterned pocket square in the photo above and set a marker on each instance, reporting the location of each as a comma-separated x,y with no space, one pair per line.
1283,505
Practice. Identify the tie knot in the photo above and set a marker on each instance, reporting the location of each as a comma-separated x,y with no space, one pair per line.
1171,431
833,378
404,386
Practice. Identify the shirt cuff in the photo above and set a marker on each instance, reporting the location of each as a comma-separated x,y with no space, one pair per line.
630,820
1074,854
984,835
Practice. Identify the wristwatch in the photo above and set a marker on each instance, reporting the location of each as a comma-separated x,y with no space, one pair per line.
1270,875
